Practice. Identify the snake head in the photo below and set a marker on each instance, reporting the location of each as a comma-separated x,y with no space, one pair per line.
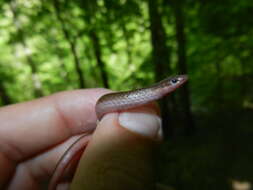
178,80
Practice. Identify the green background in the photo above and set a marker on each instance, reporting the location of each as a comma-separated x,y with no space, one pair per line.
52,46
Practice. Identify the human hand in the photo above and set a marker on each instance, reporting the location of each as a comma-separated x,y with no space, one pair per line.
34,135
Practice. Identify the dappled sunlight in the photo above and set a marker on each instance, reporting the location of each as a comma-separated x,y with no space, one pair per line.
240,185
247,104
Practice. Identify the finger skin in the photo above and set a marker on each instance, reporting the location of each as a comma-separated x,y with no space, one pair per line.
33,128
116,158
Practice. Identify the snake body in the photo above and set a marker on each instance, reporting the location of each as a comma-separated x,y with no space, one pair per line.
115,102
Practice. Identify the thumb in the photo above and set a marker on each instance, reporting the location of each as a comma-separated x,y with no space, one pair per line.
120,154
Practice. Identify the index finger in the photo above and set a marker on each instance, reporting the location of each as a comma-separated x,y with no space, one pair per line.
31,127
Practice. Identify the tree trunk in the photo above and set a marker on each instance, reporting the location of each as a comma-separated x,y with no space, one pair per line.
72,45
244,85
184,93
100,63
219,86
89,16
127,39
4,96
161,59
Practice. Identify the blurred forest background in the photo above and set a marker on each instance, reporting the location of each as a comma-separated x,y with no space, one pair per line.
51,46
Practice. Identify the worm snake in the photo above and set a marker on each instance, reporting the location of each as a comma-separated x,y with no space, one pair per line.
115,102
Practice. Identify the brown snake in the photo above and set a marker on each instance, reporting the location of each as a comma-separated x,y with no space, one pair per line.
114,102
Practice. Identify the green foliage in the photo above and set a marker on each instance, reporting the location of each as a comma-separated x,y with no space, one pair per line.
38,49
217,36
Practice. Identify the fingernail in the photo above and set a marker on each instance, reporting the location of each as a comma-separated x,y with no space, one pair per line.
146,124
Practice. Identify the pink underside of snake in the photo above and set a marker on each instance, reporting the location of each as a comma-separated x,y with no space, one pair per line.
114,102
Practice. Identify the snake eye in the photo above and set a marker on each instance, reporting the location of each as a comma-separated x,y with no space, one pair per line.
174,81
